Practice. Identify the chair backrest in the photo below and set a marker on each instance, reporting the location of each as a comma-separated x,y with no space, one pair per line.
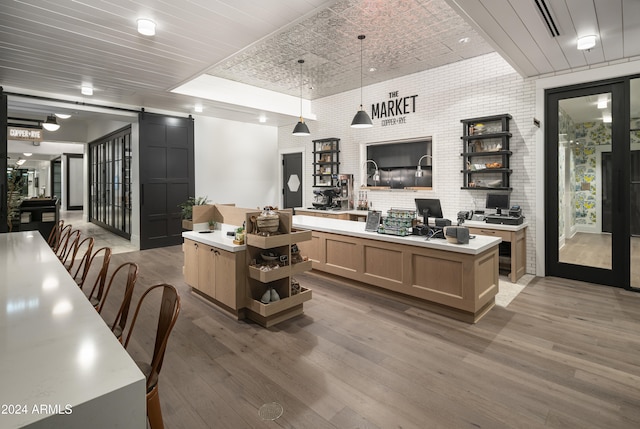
54,235
61,237
120,320
167,317
84,248
72,240
101,277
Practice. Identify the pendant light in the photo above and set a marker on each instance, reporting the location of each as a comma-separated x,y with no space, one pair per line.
362,119
301,128
51,124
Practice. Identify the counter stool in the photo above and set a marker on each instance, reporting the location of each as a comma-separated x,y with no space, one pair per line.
54,235
95,296
169,310
121,317
84,248
66,249
61,238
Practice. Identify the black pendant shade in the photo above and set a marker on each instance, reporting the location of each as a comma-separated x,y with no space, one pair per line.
301,128
361,120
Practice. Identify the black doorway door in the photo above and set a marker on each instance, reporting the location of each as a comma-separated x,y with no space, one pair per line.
166,177
584,197
292,180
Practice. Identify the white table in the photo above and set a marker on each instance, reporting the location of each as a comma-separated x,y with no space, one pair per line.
60,365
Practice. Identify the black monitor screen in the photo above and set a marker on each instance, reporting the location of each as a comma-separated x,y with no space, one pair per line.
498,201
429,207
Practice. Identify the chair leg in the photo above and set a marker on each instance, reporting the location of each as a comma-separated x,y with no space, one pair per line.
154,414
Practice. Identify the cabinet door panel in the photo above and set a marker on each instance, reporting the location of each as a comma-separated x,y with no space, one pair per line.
190,268
226,279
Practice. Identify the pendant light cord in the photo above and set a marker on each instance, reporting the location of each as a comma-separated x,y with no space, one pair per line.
361,39
300,62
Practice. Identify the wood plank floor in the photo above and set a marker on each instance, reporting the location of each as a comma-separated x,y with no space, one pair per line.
563,354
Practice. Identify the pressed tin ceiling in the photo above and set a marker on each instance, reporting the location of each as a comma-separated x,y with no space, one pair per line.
402,37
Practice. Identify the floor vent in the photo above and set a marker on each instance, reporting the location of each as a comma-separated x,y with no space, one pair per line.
548,19
270,411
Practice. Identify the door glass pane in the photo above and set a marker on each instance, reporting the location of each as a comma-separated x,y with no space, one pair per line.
584,181
635,183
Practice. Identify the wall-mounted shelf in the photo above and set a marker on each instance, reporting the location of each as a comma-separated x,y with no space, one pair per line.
326,162
485,153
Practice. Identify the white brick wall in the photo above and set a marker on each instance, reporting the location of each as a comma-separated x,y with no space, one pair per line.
481,86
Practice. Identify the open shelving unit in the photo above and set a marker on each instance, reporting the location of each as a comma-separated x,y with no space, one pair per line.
326,162
485,153
259,281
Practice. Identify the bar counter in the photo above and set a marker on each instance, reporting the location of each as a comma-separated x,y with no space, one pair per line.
60,364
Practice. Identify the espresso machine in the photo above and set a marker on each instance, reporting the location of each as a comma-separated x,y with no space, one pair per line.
344,186
326,199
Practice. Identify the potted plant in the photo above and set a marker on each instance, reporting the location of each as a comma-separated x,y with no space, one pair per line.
187,210
14,199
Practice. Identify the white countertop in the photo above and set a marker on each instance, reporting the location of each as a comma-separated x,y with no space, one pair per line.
216,238
496,226
56,350
357,229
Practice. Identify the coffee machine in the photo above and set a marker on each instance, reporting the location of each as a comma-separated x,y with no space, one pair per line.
344,186
326,199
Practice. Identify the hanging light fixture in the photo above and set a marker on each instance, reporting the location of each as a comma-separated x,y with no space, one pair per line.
301,128
362,119
51,124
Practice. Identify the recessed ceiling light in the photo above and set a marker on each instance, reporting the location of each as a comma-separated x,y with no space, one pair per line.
464,40
606,118
146,27
372,69
27,154
262,119
586,42
197,108
63,115
86,90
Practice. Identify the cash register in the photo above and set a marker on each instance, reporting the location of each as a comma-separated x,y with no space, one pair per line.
503,213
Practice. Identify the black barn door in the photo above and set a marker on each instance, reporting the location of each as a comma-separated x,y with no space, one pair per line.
166,177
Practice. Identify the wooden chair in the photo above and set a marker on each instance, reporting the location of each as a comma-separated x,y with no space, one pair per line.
84,248
95,296
169,310
54,235
120,320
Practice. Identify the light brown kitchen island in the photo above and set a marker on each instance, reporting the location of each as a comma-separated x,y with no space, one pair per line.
456,280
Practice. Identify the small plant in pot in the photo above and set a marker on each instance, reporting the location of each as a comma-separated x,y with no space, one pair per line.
187,210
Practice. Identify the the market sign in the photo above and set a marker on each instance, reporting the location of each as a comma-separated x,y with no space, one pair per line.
21,133
395,110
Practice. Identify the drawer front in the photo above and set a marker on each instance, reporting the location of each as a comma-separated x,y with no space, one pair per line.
505,235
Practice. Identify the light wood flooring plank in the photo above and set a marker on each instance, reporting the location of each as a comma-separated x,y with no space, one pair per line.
563,354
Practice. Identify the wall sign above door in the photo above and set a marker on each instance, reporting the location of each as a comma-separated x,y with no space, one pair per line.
394,110
28,134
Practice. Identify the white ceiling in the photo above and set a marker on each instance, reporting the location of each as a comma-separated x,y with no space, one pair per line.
52,47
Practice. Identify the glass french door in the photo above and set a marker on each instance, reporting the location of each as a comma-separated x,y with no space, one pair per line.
110,181
592,180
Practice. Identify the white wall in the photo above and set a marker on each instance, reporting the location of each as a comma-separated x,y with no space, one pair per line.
236,162
482,86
